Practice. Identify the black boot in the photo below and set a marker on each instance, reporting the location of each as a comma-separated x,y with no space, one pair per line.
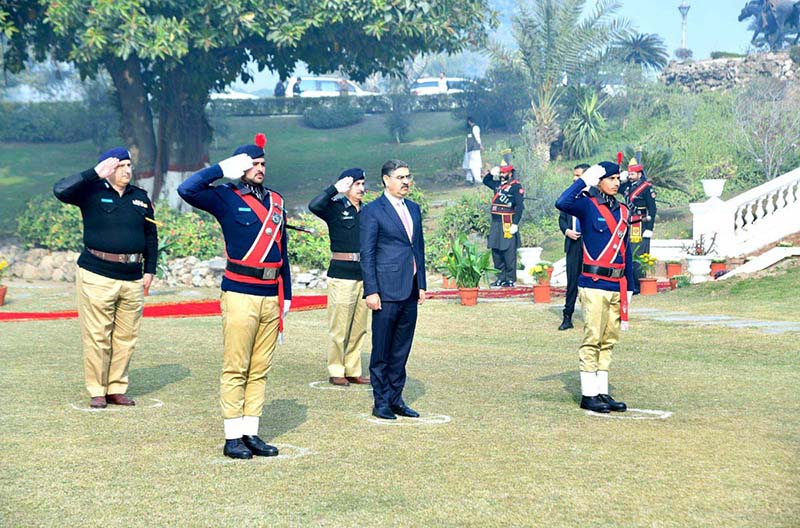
613,404
594,404
258,447
496,284
236,449
566,324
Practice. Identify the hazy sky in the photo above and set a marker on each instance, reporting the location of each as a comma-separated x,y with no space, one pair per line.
711,25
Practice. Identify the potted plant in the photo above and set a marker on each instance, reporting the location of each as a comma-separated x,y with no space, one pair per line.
467,266
674,267
698,257
718,267
541,273
3,287
647,263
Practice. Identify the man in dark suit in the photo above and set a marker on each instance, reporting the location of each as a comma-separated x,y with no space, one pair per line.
573,247
393,269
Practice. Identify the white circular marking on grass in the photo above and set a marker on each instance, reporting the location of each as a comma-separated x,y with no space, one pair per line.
634,414
326,385
430,419
285,452
116,408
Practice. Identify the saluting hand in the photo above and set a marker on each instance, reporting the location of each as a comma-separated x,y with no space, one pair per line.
344,184
106,168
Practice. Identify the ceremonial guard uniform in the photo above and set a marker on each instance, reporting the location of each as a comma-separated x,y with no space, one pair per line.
640,198
508,203
605,278
347,310
256,287
119,237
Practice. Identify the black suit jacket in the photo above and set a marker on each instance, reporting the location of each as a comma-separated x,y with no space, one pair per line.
564,223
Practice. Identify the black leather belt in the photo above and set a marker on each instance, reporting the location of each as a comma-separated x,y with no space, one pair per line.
611,273
250,271
123,258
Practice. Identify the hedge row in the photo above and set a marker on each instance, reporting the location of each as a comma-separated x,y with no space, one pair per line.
62,122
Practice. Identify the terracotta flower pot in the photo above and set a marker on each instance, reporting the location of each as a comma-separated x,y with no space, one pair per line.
3,290
541,293
469,296
544,280
673,283
716,267
648,286
674,268
448,283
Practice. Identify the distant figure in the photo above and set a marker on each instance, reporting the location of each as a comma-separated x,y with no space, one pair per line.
344,88
442,83
296,88
472,153
280,88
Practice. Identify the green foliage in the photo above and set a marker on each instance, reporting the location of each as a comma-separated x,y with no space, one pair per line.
398,122
309,250
794,54
660,167
498,101
336,114
726,55
62,122
468,216
583,129
48,223
188,234
466,264
644,49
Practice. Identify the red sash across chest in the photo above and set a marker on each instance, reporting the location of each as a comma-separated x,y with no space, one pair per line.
614,247
637,191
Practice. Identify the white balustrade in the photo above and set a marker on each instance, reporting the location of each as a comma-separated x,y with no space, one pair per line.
750,221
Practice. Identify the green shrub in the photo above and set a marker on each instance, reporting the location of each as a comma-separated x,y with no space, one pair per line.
188,234
468,216
63,122
48,223
726,55
794,54
309,250
339,113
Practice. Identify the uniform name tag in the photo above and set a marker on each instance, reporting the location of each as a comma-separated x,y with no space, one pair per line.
139,203
601,219
245,210
106,200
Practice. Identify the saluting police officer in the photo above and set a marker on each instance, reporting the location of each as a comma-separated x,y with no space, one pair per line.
256,288
508,203
347,310
640,198
119,237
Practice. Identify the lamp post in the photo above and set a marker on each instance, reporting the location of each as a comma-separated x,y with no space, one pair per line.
684,9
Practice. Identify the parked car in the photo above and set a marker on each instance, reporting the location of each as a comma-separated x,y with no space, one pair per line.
430,85
230,94
324,87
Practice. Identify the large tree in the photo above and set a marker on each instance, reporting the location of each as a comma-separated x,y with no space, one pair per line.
166,57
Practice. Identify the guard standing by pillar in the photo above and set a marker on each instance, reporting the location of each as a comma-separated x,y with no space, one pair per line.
508,203
640,198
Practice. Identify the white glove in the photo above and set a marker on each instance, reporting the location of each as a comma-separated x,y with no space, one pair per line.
287,303
495,171
623,176
647,234
591,176
513,229
344,184
630,296
235,166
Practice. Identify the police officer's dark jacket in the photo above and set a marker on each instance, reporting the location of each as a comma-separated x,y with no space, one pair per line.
594,231
342,219
644,203
112,224
240,226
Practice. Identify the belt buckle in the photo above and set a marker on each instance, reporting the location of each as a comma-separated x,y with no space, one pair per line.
265,274
132,258
353,257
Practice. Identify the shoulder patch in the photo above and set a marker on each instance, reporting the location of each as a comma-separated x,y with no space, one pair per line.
521,190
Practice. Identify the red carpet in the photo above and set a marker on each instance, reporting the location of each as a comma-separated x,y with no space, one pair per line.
179,309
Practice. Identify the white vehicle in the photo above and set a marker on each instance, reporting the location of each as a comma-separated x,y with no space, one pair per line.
430,85
324,87
229,94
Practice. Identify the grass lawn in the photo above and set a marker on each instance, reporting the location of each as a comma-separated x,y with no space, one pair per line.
517,451
300,161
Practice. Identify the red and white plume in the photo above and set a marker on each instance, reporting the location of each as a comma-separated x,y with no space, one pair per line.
260,140
619,158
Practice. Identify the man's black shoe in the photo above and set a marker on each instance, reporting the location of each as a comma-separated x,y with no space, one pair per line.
236,449
507,284
496,284
613,404
594,404
566,324
258,447
405,410
383,412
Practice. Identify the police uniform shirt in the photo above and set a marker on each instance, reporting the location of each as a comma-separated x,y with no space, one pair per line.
112,224
342,219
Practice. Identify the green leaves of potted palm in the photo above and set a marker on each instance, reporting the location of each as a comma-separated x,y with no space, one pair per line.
467,266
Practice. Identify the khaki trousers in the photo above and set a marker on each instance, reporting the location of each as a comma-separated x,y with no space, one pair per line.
347,326
600,329
109,311
250,326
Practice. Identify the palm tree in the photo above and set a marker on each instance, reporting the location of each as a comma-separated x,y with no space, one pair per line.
645,49
584,127
660,167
